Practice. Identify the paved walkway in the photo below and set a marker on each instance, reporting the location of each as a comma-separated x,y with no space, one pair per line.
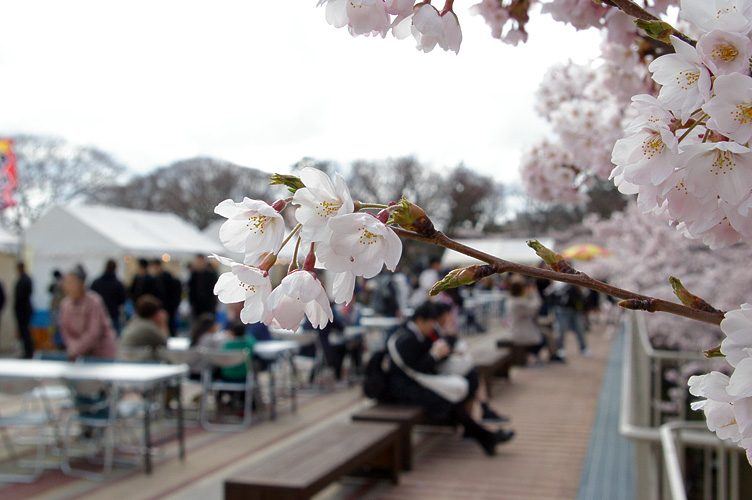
553,410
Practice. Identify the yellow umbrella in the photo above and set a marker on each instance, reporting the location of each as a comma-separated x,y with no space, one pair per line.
584,251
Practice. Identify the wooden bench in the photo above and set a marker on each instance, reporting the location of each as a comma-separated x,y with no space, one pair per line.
309,465
404,416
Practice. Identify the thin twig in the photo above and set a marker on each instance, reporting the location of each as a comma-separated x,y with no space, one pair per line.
632,9
577,278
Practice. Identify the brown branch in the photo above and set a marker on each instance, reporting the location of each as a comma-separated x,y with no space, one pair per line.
632,9
577,278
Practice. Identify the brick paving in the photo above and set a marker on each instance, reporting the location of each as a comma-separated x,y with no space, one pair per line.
552,410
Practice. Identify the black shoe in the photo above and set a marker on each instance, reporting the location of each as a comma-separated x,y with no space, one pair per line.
489,441
556,359
491,416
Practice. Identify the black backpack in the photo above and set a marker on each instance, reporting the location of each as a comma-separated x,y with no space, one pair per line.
376,376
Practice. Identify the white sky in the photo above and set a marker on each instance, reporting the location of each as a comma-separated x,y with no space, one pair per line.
265,83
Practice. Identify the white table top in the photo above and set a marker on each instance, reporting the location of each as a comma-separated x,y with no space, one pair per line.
381,321
270,349
141,374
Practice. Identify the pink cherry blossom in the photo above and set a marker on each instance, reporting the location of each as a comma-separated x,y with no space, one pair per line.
720,169
685,80
299,294
725,53
730,109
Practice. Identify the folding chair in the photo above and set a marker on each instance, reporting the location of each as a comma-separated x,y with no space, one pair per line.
213,385
99,410
37,417
189,357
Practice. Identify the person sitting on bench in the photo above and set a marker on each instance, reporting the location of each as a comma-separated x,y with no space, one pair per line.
446,328
421,351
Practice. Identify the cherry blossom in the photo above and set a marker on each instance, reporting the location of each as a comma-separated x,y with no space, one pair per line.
730,109
719,169
727,15
319,201
246,284
299,294
343,287
686,81
253,227
724,53
362,17
737,326
360,243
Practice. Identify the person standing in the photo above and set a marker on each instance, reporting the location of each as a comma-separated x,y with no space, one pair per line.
112,291
201,287
143,283
170,292
84,322
23,309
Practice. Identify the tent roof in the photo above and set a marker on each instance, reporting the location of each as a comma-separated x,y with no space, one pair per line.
142,232
8,241
512,249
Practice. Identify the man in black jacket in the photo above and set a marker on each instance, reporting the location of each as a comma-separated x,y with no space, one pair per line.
421,350
112,291
23,310
169,291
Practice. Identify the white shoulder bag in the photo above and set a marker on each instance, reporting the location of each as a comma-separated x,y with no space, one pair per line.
453,388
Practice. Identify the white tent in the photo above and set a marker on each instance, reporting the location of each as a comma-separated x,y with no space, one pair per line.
8,277
511,249
89,235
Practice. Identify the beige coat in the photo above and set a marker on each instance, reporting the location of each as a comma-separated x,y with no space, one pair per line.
523,312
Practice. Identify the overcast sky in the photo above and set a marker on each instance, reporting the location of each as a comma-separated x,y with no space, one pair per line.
265,83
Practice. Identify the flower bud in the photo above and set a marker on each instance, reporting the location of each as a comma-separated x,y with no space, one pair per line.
464,276
292,182
411,217
714,353
689,299
267,261
554,260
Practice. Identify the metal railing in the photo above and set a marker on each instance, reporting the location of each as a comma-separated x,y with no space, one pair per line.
661,438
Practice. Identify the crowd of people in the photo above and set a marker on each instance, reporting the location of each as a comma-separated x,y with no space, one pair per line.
109,318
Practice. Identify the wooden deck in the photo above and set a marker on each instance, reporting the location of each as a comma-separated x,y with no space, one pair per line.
552,409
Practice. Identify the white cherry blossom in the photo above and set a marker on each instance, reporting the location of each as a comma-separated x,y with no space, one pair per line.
246,284
362,244
253,227
727,15
299,294
319,201
343,287
737,326
730,109
648,156
685,80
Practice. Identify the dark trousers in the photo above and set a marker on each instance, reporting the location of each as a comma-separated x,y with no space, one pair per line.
23,320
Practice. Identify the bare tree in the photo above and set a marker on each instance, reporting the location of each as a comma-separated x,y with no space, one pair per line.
191,189
52,170
475,199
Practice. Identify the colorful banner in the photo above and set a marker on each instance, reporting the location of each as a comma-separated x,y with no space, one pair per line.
8,173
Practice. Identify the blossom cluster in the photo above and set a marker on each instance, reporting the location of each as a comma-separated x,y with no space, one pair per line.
337,237
404,18
728,400
687,153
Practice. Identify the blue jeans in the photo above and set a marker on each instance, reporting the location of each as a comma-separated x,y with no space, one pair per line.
569,319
